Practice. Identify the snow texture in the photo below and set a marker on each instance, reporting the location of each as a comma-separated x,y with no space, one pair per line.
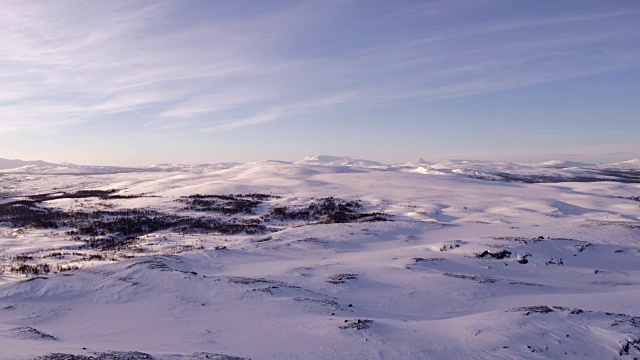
326,258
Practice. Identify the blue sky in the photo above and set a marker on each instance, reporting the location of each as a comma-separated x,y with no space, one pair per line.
141,82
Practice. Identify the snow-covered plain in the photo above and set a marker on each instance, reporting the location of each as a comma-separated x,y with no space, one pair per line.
462,268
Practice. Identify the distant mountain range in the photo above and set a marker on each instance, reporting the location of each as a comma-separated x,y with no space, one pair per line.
14,163
43,167
543,172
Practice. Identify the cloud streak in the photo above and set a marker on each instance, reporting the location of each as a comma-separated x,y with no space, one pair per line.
221,67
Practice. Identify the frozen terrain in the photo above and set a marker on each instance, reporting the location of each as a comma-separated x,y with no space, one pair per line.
324,258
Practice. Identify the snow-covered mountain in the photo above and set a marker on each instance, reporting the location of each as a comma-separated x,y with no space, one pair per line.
14,163
564,164
417,162
189,167
326,160
43,167
549,171
543,172
629,164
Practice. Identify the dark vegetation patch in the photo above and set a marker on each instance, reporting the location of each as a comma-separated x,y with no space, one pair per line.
26,213
230,204
247,281
26,269
623,224
447,247
324,302
543,309
212,356
224,204
628,345
499,255
232,197
283,213
634,198
111,355
60,356
341,278
417,260
328,210
313,241
116,230
524,259
113,228
34,279
110,230
82,194
136,355
540,309
271,284
358,324
121,231
271,290
581,248
22,258
480,279
554,261
524,283
427,260
593,175
61,254
522,240
28,332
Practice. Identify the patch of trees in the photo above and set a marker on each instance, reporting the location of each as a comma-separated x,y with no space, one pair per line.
224,204
29,270
328,210
120,229
26,213
82,194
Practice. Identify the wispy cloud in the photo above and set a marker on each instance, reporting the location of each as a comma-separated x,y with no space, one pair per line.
283,111
219,66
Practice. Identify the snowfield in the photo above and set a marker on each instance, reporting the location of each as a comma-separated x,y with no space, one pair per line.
324,258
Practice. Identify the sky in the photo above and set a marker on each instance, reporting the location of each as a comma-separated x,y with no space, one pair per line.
204,81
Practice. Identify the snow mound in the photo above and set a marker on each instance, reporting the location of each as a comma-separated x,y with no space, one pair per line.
629,164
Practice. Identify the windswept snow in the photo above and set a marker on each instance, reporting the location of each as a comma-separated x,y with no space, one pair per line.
325,258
